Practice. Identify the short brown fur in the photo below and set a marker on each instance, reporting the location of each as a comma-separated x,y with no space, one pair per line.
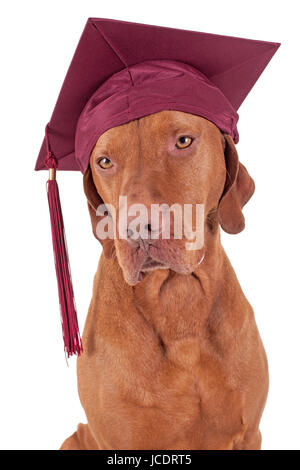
174,361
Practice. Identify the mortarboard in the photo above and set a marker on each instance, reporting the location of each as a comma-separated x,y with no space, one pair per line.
123,71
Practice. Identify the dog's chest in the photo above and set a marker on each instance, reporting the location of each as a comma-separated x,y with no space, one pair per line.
162,368
173,363
174,398
191,391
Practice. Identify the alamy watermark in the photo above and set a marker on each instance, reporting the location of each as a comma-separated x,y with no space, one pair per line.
159,221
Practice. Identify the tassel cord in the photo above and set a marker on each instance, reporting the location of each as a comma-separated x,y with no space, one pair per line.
71,336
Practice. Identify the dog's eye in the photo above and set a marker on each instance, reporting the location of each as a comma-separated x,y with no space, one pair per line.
105,163
184,142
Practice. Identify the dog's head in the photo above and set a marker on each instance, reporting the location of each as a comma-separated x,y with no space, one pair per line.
170,161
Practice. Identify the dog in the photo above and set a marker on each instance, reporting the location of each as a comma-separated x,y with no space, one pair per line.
172,355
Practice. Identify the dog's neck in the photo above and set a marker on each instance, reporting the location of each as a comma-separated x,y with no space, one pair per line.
174,305
182,314
167,289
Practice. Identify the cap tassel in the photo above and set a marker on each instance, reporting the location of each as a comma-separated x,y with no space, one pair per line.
71,335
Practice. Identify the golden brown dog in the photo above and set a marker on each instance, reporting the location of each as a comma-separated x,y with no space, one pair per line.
172,355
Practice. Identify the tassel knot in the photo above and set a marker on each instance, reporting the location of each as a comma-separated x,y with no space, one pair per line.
51,162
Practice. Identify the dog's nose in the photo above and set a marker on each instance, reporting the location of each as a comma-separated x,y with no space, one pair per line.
147,232
152,231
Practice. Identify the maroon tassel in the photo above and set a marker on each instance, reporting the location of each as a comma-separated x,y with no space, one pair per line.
71,335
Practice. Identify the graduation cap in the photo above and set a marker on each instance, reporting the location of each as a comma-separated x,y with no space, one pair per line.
123,71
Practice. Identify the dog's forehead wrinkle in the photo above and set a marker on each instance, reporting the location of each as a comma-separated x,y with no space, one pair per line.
176,124
118,141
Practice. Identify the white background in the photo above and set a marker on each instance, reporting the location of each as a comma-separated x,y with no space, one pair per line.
39,403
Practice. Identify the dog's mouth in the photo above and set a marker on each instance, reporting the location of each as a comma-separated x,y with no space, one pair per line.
137,262
150,264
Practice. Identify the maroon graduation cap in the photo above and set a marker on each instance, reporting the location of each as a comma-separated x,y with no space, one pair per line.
123,71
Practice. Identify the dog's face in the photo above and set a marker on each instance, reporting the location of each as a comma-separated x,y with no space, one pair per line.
173,159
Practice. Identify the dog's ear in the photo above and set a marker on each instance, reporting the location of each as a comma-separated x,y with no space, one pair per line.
94,201
239,187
